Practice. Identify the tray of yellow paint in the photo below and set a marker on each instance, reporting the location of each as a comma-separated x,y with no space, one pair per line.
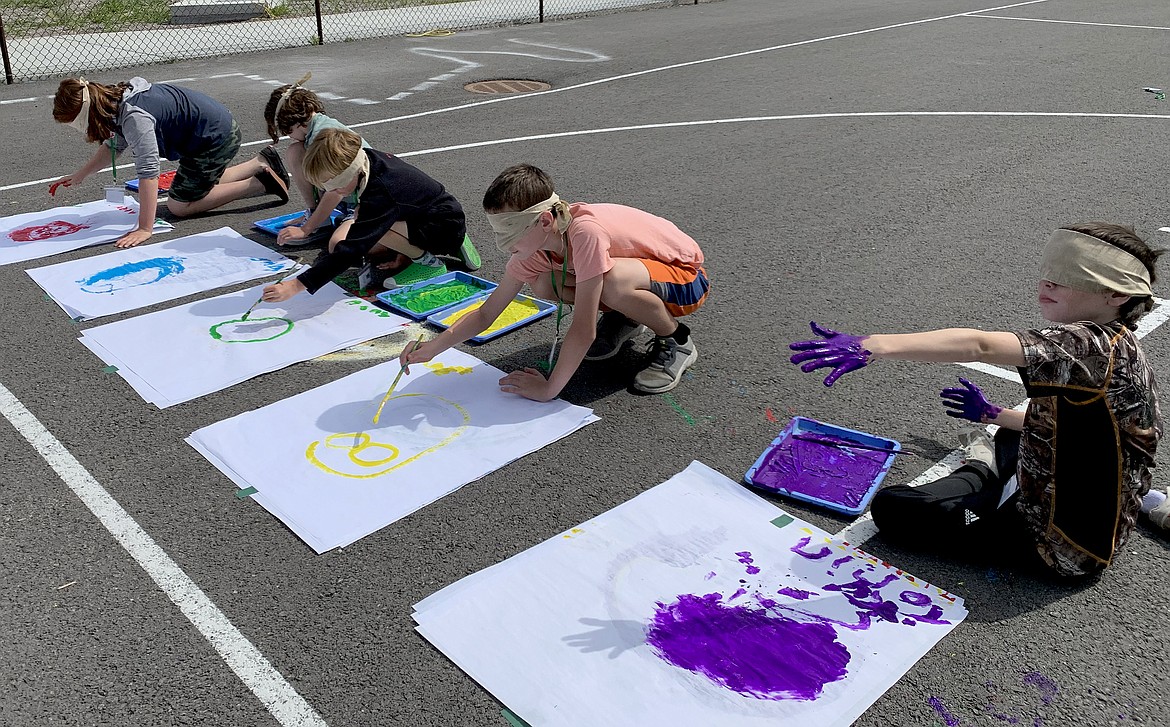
520,312
434,295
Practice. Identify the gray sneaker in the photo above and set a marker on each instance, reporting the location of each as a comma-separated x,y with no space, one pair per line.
668,363
977,446
613,330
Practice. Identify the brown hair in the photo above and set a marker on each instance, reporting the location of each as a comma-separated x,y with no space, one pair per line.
330,153
298,108
518,188
1127,239
103,106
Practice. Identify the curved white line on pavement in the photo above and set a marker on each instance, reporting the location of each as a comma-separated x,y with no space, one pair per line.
255,671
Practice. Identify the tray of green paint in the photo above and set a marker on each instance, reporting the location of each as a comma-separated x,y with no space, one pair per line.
426,297
824,464
520,312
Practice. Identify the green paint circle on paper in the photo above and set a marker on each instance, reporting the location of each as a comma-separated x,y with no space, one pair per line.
262,333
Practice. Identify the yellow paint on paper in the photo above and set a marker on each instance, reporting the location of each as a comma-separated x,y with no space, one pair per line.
362,449
516,311
571,533
439,369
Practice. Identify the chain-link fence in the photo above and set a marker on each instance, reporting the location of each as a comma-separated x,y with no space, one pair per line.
45,38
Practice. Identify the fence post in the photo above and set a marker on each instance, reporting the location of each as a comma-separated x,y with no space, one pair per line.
542,11
4,52
320,30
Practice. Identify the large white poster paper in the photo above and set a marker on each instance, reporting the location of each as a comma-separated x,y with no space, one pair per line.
61,229
327,471
696,603
182,353
140,276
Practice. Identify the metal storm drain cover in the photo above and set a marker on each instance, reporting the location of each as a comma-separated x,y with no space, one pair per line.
507,85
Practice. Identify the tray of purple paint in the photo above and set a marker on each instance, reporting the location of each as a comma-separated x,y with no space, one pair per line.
824,464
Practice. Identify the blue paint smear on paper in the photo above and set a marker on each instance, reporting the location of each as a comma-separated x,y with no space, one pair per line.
132,275
748,650
272,266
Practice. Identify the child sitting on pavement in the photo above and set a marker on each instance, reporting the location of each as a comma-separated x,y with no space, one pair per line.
162,120
400,210
641,269
1081,452
298,113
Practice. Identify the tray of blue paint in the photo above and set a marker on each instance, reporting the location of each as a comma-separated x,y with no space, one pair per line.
427,297
273,225
521,311
824,464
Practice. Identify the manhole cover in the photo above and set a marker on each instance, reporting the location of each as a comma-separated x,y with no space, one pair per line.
507,85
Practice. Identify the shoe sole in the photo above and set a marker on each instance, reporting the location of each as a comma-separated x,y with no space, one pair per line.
469,256
618,348
275,185
672,384
272,156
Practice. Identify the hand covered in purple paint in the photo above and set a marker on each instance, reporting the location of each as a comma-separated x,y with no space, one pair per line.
841,351
968,402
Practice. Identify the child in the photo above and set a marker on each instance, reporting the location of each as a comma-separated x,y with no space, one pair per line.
641,268
400,210
1083,448
296,112
164,121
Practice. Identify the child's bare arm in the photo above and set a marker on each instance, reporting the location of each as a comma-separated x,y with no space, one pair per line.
469,325
1010,419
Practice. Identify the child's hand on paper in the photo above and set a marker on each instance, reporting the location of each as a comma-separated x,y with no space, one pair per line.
132,238
528,383
282,291
291,233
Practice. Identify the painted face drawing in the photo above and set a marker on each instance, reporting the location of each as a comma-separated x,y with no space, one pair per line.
58,228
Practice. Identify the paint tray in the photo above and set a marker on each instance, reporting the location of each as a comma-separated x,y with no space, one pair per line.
164,182
826,465
540,309
395,298
273,225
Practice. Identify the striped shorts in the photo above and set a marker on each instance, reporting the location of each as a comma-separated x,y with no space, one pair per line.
683,288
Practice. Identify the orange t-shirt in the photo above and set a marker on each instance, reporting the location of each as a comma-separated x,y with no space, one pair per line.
598,234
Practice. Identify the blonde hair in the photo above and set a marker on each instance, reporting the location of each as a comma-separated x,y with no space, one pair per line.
103,106
331,152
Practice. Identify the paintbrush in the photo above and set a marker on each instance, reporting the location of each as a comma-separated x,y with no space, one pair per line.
260,300
394,383
830,442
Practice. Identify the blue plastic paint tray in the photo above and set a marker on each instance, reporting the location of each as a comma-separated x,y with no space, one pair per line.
392,298
164,183
273,225
543,308
827,465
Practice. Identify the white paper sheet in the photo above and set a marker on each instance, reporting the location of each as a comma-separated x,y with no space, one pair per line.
182,353
140,276
689,606
327,471
39,234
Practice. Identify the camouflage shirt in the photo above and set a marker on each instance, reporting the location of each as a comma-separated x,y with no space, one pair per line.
1088,443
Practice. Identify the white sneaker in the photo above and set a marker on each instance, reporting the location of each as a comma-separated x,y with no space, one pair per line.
977,446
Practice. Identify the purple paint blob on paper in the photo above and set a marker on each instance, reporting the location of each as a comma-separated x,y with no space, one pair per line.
745,557
709,576
822,466
795,593
950,719
747,650
841,561
737,594
824,552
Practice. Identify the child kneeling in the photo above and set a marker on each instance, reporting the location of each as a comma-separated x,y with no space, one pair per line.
400,210
643,270
1081,452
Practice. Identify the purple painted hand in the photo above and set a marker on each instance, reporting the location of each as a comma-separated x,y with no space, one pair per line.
968,402
842,351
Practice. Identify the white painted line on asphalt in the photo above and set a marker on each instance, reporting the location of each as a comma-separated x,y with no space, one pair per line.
176,80
399,96
993,370
273,691
225,75
1067,22
18,100
1164,229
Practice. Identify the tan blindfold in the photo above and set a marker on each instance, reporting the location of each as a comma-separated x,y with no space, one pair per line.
1083,262
359,165
511,226
81,121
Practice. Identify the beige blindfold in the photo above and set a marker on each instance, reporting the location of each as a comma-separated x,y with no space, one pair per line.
359,165
1083,262
511,226
81,121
